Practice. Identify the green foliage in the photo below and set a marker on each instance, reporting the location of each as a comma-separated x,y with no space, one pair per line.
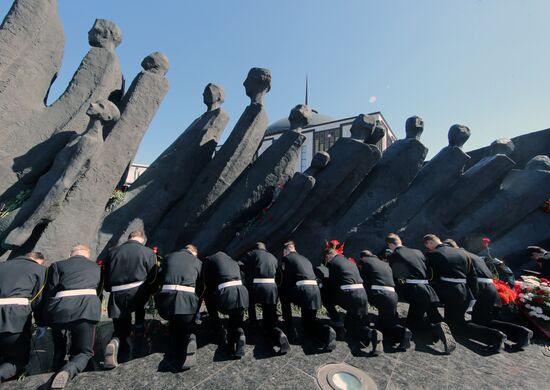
13,204
116,198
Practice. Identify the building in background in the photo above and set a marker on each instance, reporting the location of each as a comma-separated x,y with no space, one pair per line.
134,171
321,133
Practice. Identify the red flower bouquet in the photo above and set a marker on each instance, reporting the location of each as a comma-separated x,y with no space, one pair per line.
506,294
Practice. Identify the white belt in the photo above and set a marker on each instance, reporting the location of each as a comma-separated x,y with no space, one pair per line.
306,283
382,288
263,281
229,284
416,281
74,293
178,287
453,280
347,287
128,286
14,301
485,280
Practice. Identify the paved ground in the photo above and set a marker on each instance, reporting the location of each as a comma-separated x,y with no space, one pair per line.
421,367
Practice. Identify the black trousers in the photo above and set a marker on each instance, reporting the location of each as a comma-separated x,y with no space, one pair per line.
123,325
485,313
388,319
15,351
420,304
180,327
82,334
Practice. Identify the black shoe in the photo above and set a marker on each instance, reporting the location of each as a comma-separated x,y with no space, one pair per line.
282,342
330,340
498,342
6,372
222,337
240,344
406,341
60,380
292,334
524,338
111,354
190,358
443,333
375,338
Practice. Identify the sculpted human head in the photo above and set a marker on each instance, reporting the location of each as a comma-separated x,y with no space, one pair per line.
213,96
414,126
105,33
104,110
538,163
362,127
458,135
300,116
502,146
156,62
257,84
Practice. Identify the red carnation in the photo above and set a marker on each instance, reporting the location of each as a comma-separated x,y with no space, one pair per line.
544,280
485,241
538,300
540,292
155,249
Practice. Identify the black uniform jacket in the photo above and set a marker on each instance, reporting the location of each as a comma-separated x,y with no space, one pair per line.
375,272
128,263
19,278
455,263
220,268
75,273
407,263
487,294
183,269
344,272
258,264
296,267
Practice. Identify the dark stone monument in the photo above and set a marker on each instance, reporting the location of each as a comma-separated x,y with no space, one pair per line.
228,163
69,166
83,208
436,176
170,176
254,189
34,139
401,162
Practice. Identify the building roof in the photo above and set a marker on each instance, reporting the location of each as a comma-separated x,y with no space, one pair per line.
284,124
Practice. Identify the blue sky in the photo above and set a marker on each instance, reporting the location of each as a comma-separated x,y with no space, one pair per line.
484,64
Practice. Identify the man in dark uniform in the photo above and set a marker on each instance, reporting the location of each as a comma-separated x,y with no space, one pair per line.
347,291
71,304
380,286
484,325
542,257
410,273
260,268
21,283
299,286
130,272
226,294
178,302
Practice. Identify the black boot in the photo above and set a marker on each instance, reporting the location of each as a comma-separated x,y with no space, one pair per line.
60,380
281,341
524,338
405,341
111,354
190,358
240,343
443,333
329,339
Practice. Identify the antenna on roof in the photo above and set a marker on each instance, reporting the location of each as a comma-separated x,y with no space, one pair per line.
306,89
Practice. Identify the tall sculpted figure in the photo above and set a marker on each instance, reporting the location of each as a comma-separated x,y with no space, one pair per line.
34,134
70,164
230,161
170,176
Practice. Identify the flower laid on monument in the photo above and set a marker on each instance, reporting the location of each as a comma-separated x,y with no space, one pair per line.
546,206
485,241
534,299
506,294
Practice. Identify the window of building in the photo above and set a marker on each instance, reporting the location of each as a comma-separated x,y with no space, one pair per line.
323,140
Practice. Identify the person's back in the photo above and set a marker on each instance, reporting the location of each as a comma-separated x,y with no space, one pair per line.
296,268
259,263
407,263
71,304
220,268
178,302
128,263
71,291
343,272
21,284
375,272
20,278
448,262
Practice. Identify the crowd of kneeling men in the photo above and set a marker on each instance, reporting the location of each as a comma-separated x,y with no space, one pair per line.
66,297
